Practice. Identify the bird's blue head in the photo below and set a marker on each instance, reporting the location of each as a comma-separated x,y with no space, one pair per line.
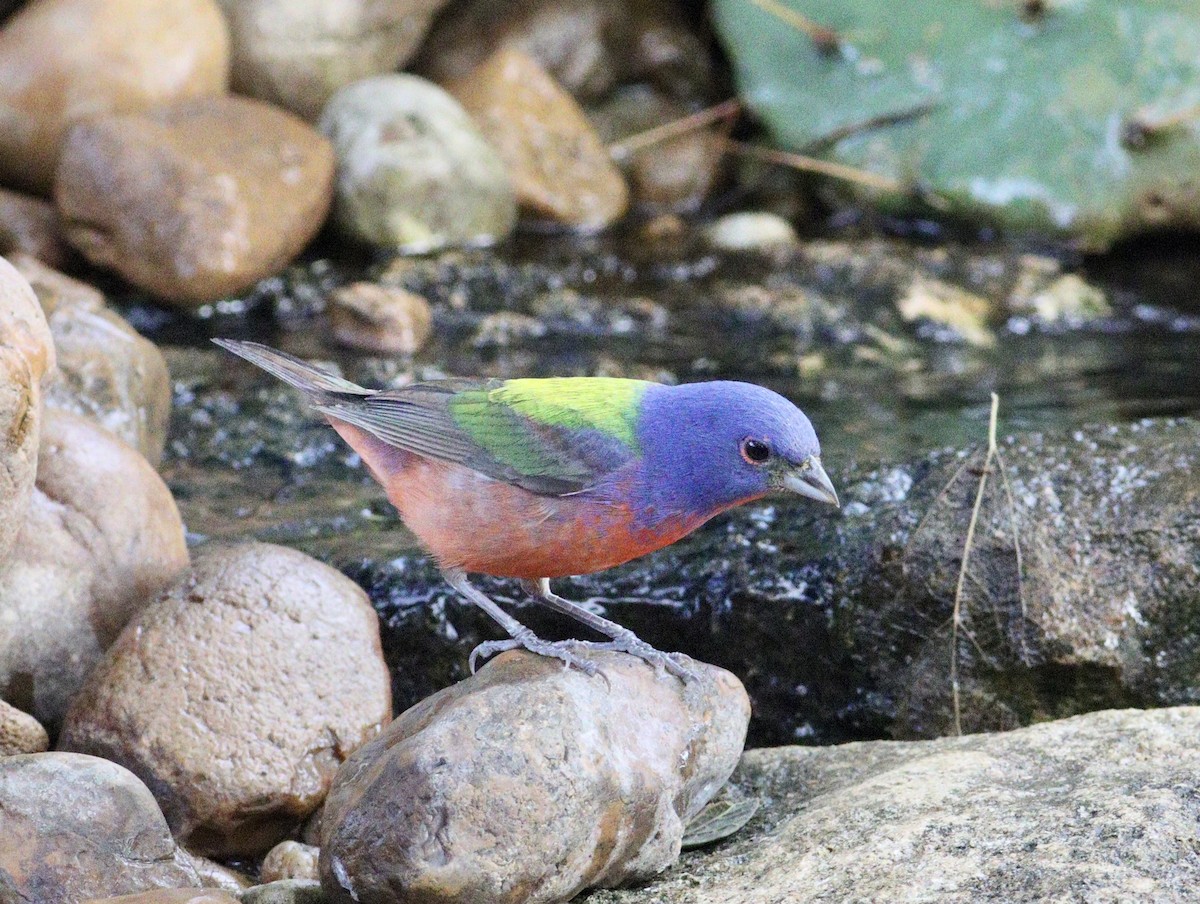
709,446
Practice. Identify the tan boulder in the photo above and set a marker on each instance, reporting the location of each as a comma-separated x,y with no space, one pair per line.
238,694
61,60
26,354
194,201
554,158
77,827
100,538
106,370
20,732
290,860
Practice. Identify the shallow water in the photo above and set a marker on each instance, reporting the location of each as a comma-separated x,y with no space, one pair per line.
246,459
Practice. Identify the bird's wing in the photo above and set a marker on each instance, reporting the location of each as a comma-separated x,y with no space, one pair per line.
553,437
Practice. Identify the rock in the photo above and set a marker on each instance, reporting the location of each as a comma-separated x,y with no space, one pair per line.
195,200
587,46
554,157
1016,86
286,891
529,782
675,174
76,827
290,860
1094,808
382,319
751,231
100,538
106,370
20,732
62,60
29,225
219,876
26,354
297,54
413,169
171,896
953,312
238,694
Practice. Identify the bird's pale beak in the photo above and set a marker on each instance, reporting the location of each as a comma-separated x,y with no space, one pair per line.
810,480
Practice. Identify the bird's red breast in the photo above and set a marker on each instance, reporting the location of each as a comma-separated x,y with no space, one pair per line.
470,521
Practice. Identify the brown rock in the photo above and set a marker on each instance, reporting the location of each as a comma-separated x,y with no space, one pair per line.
297,53
106,370
171,896
29,225
554,158
76,827
26,353
20,732
238,694
100,538
381,319
61,60
197,200
527,782
290,860
217,875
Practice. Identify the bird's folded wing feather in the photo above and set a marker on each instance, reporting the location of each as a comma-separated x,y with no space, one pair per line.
553,437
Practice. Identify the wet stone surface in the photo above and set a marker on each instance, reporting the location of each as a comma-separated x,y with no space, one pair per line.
771,592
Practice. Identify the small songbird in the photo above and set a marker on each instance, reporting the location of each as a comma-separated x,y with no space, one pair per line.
542,478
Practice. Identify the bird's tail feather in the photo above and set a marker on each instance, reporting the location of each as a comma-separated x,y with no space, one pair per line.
293,371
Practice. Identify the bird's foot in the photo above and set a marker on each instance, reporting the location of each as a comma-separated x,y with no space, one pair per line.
560,649
630,643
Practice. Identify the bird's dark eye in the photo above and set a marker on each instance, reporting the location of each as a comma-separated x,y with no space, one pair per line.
755,451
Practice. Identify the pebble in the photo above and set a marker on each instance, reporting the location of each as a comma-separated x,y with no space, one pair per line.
238,694
73,828
290,860
99,539
556,161
26,354
298,53
385,320
106,370
750,231
20,732
63,60
529,783
29,225
197,200
414,171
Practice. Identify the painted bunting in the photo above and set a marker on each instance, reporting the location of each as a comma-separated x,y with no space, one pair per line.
541,478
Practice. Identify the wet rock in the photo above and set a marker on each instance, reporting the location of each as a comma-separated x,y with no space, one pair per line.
296,55
63,60
386,320
106,370
20,732
952,311
100,538
196,200
675,174
286,891
29,225
751,231
557,164
587,46
217,875
171,896
238,694
1096,808
26,354
290,860
77,827
578,782
413,169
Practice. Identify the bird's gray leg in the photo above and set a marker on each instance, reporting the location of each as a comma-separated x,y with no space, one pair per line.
622,639
520,636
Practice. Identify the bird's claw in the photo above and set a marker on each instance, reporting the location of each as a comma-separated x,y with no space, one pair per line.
635,646
561,649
